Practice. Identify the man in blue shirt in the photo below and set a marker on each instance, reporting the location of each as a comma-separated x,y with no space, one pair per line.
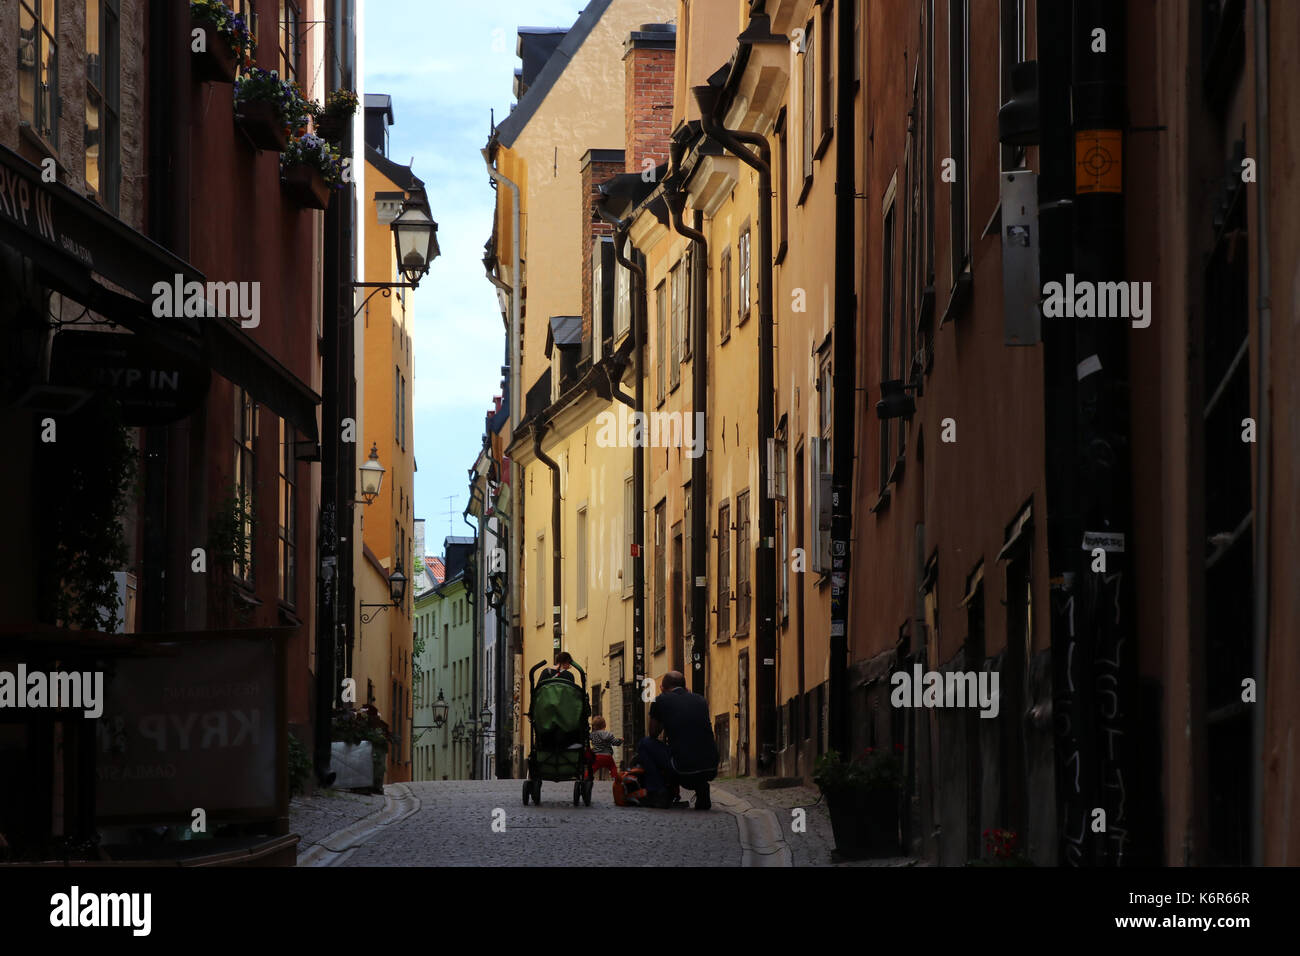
688,757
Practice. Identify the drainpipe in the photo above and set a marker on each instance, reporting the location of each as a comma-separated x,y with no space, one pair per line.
1263,457
844,395
476,744
639,307
699,403
516,399
710,101
556,585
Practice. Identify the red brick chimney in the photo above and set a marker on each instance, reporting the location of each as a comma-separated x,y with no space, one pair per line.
649,56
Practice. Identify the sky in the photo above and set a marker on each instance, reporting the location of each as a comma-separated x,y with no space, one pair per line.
447,64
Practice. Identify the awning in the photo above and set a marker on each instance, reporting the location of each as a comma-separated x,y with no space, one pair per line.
89,255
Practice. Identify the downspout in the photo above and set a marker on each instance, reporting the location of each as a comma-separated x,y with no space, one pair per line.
556,585
516,279
477,744
639,307
710,102
844,384
699,403
1263,457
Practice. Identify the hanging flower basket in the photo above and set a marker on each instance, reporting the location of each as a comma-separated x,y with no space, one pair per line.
269,109
261,120
306,186
215,62
333,118
227,43
311,170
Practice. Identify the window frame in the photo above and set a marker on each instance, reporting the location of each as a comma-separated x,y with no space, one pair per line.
104,92
808,102
288,48
959,138
744,273
660,578
245,475
723,536
677,292
287,525
744,565
44,127
580,560
661,320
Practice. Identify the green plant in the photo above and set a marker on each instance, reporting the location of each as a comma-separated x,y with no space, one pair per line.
229,25
874,769
90,470
230,531
341,104
300,765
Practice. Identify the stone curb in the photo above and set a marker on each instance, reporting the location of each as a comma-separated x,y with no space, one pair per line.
399,803
762,841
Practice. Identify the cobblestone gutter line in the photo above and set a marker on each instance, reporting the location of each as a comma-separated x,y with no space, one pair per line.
762,841
331,850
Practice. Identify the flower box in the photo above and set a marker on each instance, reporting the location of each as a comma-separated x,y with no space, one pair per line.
217,61
263,123
331,127
306,186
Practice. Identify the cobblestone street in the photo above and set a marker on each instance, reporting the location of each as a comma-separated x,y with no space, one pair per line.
452,826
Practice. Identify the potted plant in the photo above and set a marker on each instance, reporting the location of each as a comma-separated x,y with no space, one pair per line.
332,118
227,42
352,727
862,796
310,170
268,109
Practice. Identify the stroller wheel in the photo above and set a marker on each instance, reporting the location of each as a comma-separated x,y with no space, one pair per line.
577,792
537,792
586,792
528,788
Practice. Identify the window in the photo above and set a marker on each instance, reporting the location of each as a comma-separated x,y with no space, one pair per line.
539,595
886,329
742,562
402,431
678,279
38,68
742,253
446,642
245,480
857,40
828,73
629,533
248,8
661,342
580,543
724,572
724,292
661,576
103,150
958,107
288,524
678,609
288,40
622,295
809,94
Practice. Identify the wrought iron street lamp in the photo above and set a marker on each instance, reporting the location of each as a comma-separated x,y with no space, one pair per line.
372,475
415,237
396,590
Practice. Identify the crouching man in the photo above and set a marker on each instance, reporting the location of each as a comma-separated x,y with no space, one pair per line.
688,757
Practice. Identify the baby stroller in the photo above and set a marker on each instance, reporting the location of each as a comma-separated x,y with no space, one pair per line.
557,715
